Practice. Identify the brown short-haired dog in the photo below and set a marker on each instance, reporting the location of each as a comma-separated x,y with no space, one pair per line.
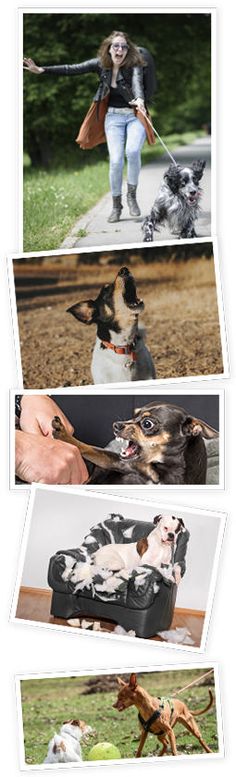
158,715
161,444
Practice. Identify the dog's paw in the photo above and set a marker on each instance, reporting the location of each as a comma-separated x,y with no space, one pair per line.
148,239
58,430
147,229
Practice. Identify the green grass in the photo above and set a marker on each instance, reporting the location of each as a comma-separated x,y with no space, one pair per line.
55,199
47,703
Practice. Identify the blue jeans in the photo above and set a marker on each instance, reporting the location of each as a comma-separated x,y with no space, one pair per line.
125,135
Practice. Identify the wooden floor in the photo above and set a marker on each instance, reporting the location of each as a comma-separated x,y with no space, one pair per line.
34,605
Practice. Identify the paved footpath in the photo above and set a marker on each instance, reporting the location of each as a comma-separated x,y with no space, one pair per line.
128,230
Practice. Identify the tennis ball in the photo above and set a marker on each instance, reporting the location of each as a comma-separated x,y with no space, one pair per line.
103,751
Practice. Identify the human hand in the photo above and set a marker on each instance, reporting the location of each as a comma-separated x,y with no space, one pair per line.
139,103
37,412
45,460
29,64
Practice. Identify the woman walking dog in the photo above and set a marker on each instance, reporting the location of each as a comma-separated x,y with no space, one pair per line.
118,112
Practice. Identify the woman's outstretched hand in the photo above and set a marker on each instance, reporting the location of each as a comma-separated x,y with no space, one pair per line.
29,64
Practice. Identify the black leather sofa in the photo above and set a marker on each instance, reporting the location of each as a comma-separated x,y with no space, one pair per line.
144,602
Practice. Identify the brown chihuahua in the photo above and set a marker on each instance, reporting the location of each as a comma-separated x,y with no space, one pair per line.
161,444
158,715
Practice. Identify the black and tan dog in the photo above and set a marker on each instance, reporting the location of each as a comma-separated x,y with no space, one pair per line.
161,444
120,353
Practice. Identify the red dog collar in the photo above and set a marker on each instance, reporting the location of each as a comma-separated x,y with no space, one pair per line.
121,349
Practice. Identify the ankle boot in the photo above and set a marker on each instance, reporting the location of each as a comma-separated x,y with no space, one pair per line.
131,200
116,210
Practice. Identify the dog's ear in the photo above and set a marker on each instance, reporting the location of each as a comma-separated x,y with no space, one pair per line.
193,426
198,169
172,177
133,681
181,526
156,519
72,722
84,311
121,682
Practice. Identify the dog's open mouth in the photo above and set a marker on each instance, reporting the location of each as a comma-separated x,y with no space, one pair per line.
192,198
130,297
119,706
129,291
129,448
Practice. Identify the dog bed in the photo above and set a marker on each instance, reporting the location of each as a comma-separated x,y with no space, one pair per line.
142,601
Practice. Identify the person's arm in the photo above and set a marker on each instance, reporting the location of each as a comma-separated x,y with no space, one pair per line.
89,66
138,88
36,412
45,460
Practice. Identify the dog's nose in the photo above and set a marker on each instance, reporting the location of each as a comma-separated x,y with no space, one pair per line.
123,271
171,535
193,191
118,426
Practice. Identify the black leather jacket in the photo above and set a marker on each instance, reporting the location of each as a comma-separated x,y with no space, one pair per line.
129,79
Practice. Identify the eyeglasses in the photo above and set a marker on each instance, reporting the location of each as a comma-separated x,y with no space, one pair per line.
117,46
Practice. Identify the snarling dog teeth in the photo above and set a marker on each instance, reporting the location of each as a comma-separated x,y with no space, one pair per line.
130,450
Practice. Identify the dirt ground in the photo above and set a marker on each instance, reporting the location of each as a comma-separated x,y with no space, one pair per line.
180,317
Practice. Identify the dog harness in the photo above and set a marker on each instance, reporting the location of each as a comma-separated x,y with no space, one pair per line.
146,724
121,349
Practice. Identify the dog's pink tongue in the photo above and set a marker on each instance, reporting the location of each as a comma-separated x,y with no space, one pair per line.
130,450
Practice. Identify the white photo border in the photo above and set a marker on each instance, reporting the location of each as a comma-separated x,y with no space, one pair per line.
124,500
83,391
139,384
124,670
138,11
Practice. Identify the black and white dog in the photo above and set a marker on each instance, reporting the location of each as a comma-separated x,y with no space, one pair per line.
120,353
177,201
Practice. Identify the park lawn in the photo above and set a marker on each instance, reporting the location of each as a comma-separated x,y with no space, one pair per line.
55,199
47,703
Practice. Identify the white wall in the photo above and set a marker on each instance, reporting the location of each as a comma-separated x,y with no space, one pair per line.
60,520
